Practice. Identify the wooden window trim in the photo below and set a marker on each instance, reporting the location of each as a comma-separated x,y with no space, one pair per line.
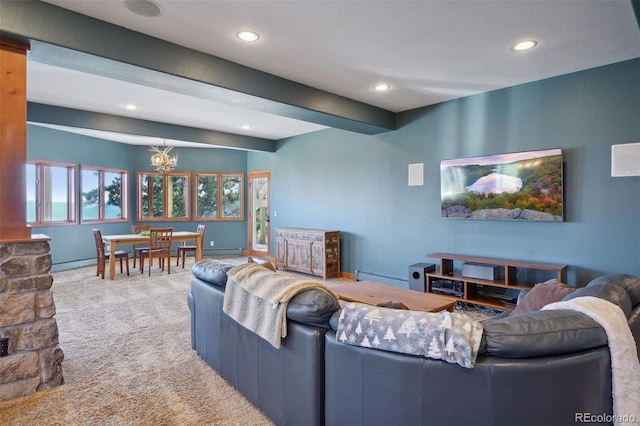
165,195
219,217
124,195
72,190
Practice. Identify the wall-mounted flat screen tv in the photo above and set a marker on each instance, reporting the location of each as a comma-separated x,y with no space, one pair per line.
517,186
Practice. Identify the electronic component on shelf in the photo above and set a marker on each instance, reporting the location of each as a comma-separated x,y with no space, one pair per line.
480,271
450,287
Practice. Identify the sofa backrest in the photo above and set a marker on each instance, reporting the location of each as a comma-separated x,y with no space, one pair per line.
311,307
562,331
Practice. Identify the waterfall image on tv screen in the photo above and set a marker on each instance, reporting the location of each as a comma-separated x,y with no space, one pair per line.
516,186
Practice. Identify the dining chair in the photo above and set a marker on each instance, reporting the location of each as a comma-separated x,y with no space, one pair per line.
103,255
184,248
160,240
136,229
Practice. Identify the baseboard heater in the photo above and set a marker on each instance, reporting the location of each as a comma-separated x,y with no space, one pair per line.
223,250
359,273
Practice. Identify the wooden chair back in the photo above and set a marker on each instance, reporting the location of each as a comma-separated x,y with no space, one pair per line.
202,230
100,251
160,239
184,248
102,255
137,229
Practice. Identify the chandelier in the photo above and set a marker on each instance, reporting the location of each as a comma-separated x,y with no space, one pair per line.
161,159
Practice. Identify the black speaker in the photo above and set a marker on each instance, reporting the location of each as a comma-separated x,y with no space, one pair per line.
417,275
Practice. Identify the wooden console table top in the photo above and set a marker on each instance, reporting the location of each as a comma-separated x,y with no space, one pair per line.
372,293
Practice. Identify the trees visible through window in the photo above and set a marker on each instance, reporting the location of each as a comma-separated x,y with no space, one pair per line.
219,196
104,194
51,189
163,196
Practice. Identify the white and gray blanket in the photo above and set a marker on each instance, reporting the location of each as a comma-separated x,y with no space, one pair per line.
257,298
452,337
625,367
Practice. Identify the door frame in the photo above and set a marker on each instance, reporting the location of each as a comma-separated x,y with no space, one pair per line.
251,176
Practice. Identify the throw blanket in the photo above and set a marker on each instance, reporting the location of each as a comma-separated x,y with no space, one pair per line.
257,298
452,337
625,368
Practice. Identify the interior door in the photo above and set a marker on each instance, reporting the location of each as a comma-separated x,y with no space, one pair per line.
259,222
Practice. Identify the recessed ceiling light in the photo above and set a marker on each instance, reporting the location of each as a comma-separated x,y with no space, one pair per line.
249,36
382,87
130,107
144,8
525,45
246,127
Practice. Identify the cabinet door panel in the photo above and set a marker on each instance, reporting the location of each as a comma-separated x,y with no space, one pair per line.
317,259
304,256
281,250
292,254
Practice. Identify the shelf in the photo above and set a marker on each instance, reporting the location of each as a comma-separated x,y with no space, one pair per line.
508,279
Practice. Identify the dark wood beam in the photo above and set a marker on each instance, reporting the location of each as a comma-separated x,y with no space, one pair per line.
244,86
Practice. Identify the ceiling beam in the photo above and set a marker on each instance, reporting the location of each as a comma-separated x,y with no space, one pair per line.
142,57
48,114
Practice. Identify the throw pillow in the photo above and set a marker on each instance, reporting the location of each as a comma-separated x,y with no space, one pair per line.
540,295
261,261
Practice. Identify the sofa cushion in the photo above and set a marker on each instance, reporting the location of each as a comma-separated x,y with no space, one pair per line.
540,295
313,307
607,291
212,271
542,333
630,283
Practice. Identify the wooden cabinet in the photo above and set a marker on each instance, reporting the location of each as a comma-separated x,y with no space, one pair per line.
312,251
511,276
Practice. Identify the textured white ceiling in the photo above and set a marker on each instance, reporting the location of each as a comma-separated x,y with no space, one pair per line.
427,51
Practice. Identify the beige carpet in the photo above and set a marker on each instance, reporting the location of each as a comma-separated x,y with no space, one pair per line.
128,358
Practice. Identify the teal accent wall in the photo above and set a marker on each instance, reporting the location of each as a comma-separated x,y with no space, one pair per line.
355,183
72,245
358,184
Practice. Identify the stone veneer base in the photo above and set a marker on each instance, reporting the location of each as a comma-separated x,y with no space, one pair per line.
27,318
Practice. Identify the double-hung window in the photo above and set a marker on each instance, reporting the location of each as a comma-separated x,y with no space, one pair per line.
104,194
51,189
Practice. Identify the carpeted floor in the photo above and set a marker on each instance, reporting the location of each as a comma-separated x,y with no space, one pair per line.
128,358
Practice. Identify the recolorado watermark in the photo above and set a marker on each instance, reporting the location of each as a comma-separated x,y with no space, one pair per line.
604,418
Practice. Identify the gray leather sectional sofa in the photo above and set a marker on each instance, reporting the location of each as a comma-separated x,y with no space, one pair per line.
538,368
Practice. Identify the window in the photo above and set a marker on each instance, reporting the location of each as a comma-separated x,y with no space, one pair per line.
104,194
51,189
163,196
219,196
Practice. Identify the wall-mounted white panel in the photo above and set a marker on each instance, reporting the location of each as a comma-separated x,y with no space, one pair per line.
625,160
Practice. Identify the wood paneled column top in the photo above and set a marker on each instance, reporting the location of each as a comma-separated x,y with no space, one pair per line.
13,141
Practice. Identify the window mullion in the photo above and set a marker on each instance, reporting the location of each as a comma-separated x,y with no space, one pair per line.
220,197
101,189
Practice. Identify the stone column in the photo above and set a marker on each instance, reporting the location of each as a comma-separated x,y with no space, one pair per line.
27,318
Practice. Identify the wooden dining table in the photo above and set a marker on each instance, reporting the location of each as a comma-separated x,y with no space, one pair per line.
115,241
